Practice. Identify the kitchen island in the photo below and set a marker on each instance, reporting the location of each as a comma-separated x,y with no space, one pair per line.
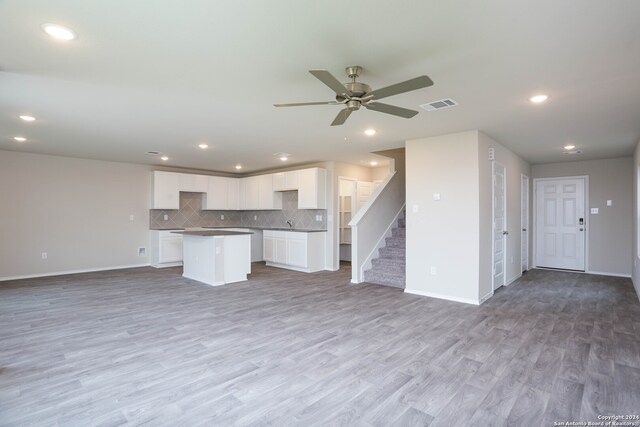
216,257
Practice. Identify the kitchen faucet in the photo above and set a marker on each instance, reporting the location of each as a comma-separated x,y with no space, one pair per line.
290,223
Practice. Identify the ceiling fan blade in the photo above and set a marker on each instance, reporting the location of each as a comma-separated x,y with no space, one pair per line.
299,104
409,85
342,117
391,109
327,78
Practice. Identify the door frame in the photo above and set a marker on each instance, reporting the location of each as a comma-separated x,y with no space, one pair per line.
587,215
493,232
337,222
525,199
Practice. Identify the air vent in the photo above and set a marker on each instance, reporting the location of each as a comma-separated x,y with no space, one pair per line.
572,152
154,153
439,105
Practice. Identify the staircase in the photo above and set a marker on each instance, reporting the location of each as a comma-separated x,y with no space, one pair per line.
389,268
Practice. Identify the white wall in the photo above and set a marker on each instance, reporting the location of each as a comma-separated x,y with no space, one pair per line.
611,230
635,272
443,234
76,210
454,235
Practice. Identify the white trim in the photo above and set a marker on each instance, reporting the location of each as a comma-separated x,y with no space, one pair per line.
586,215
166,264
62,273
367,264
604,273
442,296
513,279
505,246
526,226
486,297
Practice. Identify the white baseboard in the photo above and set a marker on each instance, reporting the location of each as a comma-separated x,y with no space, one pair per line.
604,273
167,264
486,297
62,273
513,279
442,296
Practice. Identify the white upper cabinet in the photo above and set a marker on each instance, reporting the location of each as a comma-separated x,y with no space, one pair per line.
285,181
166,192
233,194
268,199
217,192
312,187
250,193
194,183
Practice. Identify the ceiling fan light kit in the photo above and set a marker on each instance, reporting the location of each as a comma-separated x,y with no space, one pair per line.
354,94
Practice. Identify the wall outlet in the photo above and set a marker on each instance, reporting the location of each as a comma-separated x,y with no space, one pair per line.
221,216
131,217
255,217
436,197
433,270
318,217
595,211
414,209
166,217
44,255
609,202
142,251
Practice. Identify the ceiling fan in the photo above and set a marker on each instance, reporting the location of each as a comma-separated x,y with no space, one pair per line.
354,95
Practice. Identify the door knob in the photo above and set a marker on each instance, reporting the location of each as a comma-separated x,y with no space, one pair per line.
524,229
581,229
505,232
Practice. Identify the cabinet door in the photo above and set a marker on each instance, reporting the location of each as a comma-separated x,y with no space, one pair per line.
170,249
166,193
310,189
233,192
216,194
193,183
251,193
268,198
268,249
279,181
297,252
291,180
280,249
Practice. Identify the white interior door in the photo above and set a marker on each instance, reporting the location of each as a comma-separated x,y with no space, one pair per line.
560,223
524,222
499,224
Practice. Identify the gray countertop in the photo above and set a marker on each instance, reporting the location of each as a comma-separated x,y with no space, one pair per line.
212,233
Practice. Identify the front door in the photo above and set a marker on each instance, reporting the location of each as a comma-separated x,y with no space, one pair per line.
499,224
560,223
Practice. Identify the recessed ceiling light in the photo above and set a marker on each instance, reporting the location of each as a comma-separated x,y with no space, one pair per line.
20,138
238,167
203,146
284,159
59,32
374,163
569,147
370,132
164,158
27,118
537,99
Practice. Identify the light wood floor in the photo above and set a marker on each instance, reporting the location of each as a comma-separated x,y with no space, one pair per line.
147,346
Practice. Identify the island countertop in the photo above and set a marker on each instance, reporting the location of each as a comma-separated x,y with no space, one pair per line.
211,233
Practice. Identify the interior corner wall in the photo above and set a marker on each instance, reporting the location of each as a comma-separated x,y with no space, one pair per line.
635,272
515,167
75,210
610,238
443,235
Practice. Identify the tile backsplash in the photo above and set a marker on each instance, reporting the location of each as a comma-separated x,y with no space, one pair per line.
191,214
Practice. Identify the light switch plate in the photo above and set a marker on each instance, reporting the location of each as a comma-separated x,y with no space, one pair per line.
414,209
595,211
436,197
609,202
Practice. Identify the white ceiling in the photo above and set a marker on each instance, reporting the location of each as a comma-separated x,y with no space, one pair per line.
167,75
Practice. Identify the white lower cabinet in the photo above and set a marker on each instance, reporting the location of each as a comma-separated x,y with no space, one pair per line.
294,250
165,248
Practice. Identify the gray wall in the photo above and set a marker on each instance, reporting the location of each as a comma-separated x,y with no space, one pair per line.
611,231
76,210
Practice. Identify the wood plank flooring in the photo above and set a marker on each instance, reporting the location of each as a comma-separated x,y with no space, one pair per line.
145,346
